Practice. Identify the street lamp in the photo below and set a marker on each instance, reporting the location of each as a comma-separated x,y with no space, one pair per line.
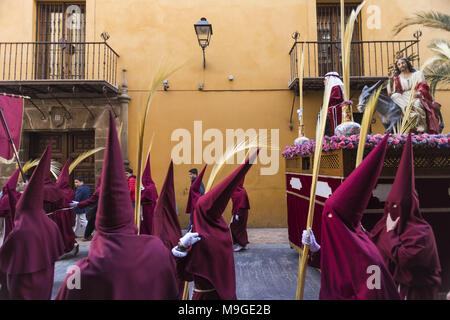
203,29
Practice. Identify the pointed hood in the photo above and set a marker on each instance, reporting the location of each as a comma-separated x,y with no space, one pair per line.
352,197
216,246
343,240
147,174
63,183
402,200
149,193
32,198
213,204
53,195
121,264
9,189
240,197
64,177
194,191
413,241
35,242
165,220
115,211
11,184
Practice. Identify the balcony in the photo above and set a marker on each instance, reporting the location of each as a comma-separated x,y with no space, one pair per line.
370,61
58,69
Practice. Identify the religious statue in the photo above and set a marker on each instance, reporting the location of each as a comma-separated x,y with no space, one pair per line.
423,106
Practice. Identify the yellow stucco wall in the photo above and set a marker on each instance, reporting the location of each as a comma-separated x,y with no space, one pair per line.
251,40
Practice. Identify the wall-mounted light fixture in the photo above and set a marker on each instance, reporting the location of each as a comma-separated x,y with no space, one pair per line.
105,36
203,29
166,84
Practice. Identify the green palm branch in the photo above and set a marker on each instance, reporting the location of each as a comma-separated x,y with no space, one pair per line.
430,19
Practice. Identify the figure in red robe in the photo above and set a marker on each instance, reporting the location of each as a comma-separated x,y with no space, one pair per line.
8,202
64,218
9,197
336,98
28,255
406,241
210,262
238,225
149,196
121,264
352,268
165,220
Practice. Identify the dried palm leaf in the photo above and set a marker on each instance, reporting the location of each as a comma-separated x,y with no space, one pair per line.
367,118
247,144
55,167
316,165
84,156
163,73
346,42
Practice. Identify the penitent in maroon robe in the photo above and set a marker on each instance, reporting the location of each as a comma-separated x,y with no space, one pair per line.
29,253
149,197
210,262
64,218
410,249
351,266
121,264
165,220
7,202
53,195
240,208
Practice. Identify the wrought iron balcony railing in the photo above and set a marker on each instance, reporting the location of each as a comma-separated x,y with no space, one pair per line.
370,60
50,62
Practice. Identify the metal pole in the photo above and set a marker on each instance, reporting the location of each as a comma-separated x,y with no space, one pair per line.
5,126
204,61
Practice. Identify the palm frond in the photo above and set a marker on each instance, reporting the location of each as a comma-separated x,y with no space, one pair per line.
346,48
431,19
247,144
300,91
367,118
84,156
437,74
30,164
119,133
163,72
316,165
410,123
55,167
442,48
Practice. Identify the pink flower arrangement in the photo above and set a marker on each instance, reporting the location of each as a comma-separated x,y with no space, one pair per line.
396,141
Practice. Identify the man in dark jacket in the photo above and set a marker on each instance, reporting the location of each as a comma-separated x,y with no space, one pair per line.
82,193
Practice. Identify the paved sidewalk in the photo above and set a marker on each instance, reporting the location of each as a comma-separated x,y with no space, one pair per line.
266,271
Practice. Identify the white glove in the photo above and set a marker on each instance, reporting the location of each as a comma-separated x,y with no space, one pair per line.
309,240
189,239
236,217
177,253
73,204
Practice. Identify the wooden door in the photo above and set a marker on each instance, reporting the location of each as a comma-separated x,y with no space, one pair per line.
67,145
79,143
